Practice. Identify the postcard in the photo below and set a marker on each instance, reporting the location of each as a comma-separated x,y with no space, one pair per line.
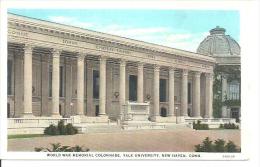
125,83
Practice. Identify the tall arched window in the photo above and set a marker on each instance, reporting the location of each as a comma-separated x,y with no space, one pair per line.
234,90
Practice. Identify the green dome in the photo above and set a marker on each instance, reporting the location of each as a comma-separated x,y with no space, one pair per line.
219,44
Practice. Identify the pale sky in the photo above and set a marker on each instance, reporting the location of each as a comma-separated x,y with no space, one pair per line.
182,29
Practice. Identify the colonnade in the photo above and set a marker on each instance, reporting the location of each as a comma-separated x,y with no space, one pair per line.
28,49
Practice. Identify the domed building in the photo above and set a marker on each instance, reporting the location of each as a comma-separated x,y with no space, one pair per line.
227,72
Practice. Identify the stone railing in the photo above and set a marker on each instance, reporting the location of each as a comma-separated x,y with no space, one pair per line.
211,120
136,111
35,122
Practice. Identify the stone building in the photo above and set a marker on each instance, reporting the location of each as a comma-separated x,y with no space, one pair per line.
57,71
227,90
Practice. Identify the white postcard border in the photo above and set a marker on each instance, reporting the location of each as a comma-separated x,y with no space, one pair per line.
249,58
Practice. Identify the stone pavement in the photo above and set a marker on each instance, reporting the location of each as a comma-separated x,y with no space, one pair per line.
179,140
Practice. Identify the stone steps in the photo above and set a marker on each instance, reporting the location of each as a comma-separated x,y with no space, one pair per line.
114,127
86,128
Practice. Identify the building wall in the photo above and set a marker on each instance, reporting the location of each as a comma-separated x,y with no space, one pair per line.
42,102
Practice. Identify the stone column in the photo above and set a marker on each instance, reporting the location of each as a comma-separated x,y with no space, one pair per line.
45,85
102,86
27,81
171,92
196,95
184,93
80,84
122,85
224,96
55,82
18,84
68,87
156,92
140,81
209,95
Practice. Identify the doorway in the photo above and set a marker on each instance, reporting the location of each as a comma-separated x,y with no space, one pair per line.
132,88
8,111
97,110
235,114
163,112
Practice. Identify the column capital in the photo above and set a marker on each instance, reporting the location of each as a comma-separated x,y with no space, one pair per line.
209,75
122,62
81,55
197,73
56,53
102,58
28,48
171,69
185,72
140,64
156,68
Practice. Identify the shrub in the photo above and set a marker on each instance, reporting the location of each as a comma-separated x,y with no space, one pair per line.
228,126
61,129
51,130
218,146
71,130
57,147
206,146
231,147
200,126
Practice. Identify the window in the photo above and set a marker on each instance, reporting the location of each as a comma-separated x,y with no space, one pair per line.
132,88
234,92
162,90
9,77
189,93
95,84
50,81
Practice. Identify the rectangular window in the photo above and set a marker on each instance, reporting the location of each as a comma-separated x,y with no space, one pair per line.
162,90
61,81
189,93
95,84
132,88
9,77
50,81
234,92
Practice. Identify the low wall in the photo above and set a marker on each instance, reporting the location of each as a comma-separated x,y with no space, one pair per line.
32,125
212,122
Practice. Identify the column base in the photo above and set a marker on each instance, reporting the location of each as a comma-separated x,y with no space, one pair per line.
102,115
180,119
169,119
197,117
28,115
56,116
78,118
206,116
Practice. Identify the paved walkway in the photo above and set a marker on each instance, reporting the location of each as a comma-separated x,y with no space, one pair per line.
146,140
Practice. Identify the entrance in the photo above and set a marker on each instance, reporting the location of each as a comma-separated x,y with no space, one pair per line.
8,111
97,110
132,88
235,114
163,112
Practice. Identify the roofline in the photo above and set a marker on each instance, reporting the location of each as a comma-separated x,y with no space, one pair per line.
97,33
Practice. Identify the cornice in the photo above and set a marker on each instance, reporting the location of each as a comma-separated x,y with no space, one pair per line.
75,33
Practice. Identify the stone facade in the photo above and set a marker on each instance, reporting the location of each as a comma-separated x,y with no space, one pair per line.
62,71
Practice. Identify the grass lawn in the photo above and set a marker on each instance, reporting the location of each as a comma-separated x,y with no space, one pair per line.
25,136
